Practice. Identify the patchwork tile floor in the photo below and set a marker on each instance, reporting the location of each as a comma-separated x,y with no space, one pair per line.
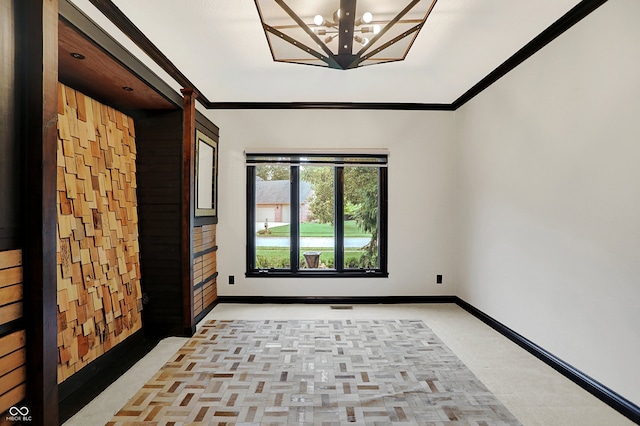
535,393
341,371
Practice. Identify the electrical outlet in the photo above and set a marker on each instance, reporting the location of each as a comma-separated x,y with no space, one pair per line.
232,280
438,279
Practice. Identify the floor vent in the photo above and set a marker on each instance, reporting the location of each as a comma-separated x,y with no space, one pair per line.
341,307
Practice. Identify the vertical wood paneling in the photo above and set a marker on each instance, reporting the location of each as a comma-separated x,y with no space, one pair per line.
12,346
10,163
99,294
162,226
159,141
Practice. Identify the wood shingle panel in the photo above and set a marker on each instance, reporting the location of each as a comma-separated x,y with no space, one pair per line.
99,294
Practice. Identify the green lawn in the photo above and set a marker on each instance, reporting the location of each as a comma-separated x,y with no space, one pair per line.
278,257
318,230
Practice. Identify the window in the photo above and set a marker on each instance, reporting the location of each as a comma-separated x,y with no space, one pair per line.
317,213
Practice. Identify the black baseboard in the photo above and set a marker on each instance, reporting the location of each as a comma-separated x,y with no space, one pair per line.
336,300
79,389
158,330
597,389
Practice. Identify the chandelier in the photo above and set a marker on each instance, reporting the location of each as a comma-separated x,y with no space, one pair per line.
342,34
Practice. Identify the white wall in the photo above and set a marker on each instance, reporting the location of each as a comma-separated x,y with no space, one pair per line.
421,196
549,195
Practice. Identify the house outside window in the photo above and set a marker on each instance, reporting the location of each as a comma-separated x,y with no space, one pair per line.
273,200
317,213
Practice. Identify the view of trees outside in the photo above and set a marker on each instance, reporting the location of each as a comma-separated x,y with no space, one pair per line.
317,217
317,223
273,172
361,205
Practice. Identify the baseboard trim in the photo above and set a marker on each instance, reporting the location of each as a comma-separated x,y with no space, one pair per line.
597,389
79,389
336,299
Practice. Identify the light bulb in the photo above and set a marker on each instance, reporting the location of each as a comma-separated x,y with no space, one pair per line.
362,40
367,17
318,20
376,29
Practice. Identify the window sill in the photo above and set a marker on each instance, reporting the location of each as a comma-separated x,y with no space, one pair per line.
273,273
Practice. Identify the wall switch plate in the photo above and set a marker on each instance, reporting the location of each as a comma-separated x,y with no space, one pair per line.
232,279
438,279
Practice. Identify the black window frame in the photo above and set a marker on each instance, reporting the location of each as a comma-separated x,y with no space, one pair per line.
294,161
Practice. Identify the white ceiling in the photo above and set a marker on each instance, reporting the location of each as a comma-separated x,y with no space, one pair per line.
220,46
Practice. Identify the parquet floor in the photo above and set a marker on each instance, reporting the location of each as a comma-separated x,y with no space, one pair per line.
316,372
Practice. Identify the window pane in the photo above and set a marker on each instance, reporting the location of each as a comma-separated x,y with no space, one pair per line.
273,216
317,217
361,219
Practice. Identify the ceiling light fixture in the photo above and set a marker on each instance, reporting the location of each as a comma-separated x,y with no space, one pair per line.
293,29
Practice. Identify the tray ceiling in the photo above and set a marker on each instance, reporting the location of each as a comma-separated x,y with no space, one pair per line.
220,46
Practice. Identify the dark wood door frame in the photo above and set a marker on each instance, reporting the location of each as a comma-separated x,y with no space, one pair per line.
37,61
188,193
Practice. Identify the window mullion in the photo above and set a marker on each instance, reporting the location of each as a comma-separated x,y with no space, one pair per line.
295,219
339,219
382,218
251,218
